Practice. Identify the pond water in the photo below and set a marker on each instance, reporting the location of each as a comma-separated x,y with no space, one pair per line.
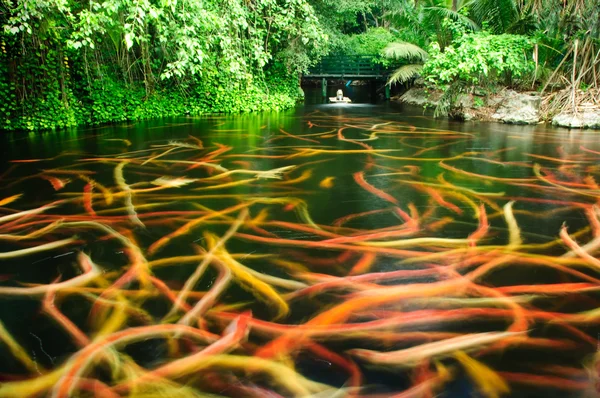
330,251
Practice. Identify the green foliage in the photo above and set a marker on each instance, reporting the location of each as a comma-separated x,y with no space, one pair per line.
498,15
405,73
448,103
220,95
410,53
341,17
110,101
66,62
344,17
480,58
371,42
429,21
8,106
570,39
405,50
36,82
476,59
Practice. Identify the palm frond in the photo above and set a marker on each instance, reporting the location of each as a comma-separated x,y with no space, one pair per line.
454,15
525,24
404,73
404,50
498,14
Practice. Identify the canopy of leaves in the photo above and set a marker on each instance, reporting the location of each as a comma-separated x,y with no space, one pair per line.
480,57
76,50
372,42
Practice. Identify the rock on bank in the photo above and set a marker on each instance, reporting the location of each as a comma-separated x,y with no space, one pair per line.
506,106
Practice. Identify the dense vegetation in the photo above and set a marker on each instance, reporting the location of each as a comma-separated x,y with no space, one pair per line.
459,45
67,62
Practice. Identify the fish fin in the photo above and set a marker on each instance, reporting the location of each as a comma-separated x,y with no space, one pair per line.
487,380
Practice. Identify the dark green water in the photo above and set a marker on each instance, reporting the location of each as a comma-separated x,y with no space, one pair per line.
412,157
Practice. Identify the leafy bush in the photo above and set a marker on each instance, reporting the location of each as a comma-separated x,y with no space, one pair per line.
110,100
62,64
371,42
480,58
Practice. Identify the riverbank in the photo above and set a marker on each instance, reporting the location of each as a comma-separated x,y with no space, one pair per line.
507,106
115,103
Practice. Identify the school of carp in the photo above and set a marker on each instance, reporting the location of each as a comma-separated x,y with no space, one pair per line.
185,268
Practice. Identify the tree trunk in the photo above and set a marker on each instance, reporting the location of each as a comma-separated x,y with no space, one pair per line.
148,75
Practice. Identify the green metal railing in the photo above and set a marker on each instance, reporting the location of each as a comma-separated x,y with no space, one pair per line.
350,66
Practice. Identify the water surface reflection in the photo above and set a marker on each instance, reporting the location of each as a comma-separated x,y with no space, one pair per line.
354,250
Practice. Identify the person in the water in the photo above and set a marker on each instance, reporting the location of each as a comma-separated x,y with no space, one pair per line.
339,95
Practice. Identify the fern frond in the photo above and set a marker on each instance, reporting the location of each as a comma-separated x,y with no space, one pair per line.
404,73
402,49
